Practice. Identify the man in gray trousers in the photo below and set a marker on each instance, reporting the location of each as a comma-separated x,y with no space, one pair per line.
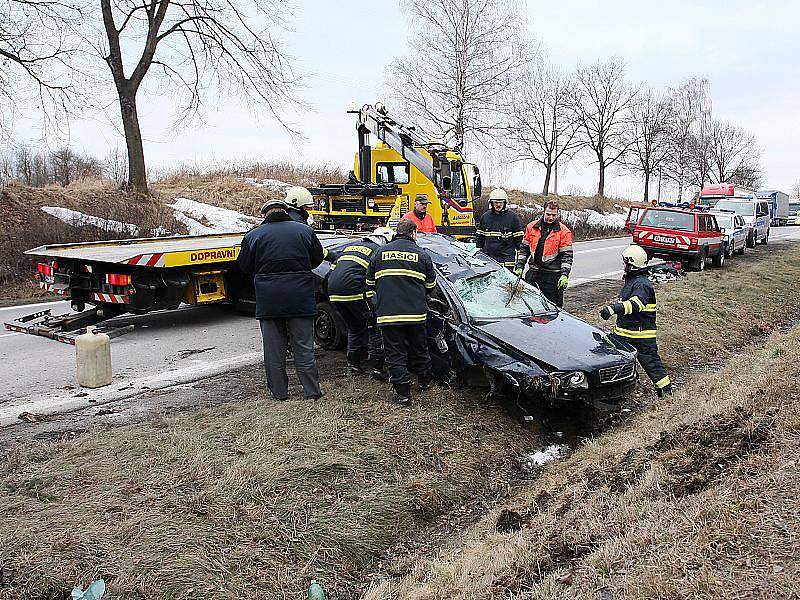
280,255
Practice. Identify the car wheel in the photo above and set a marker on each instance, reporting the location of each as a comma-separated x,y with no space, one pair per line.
751,240
699,263
718,260
730,250
330,330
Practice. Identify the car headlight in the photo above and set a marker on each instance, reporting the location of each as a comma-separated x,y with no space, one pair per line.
578,380
371,203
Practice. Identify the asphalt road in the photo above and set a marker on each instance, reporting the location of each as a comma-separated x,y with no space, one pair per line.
188,344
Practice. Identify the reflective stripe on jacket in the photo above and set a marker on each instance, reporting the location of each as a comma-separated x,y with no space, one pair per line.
636,307
557,252
402,275
424,225
347,278
499,235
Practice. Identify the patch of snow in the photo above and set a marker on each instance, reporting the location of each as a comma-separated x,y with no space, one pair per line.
79,219
275,185
546,455
219,220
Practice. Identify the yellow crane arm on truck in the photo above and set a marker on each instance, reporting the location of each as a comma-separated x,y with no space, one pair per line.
386,178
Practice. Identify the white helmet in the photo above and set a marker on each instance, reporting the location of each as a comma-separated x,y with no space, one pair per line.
499,195
273,204
381,235
634,257
299,197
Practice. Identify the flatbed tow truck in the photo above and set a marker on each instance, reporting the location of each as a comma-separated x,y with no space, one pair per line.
136,276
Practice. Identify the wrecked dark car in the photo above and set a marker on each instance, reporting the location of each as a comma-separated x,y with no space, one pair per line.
530,350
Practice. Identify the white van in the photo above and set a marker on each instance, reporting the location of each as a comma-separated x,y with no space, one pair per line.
754,212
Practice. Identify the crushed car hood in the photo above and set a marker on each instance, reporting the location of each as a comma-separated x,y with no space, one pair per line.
559,340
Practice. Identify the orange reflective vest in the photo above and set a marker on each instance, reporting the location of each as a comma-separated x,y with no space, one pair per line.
557,251
424,225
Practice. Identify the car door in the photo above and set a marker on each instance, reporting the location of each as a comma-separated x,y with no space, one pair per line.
714,235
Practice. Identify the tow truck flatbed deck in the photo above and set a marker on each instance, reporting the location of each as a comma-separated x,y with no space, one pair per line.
174,251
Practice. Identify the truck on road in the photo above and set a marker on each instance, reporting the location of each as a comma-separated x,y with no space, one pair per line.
386,178
778,205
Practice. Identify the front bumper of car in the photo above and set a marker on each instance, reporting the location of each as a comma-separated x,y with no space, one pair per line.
603,389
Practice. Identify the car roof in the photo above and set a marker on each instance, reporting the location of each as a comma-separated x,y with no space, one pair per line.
452,258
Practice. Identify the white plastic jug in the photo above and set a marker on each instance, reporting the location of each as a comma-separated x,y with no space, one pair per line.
93,352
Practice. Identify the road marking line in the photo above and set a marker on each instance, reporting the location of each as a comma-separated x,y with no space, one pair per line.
121,390
37,305
10,334
601,249
581,280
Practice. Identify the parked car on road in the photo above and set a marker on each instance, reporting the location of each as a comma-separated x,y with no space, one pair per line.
734,232
483,316
794,213
755,213
680,233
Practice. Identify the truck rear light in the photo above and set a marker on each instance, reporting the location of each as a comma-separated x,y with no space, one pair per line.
115,279
44,269
693,243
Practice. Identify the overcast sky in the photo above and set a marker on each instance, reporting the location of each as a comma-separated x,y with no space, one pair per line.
748,50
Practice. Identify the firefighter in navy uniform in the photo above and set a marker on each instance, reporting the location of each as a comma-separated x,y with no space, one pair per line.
402,275
347,289
500,230
636,317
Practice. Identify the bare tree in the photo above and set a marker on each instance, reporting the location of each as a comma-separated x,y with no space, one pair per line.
465,55
193,44
542,125
651,122
691,111
603,107
735,155
115,166
36,58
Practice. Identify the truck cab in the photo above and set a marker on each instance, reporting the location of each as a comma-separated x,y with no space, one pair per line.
451,210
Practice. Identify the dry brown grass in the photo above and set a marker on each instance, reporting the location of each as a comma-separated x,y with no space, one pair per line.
246,500
694,497
23,225
225,185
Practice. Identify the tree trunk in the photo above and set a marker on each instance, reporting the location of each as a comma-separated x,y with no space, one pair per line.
601,182
546,188
647,188
137,173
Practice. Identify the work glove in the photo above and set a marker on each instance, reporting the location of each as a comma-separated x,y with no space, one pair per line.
518,271
606,313
563,282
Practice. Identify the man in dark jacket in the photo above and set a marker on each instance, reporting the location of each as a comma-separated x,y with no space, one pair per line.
547,250
500,230
402,276
347,290
636,317
280,254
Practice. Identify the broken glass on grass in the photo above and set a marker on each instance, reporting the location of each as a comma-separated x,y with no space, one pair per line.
492,295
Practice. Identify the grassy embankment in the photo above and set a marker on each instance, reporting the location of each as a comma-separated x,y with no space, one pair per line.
693,497
252,499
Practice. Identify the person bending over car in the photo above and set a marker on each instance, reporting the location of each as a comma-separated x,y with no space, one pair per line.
636,317
402,276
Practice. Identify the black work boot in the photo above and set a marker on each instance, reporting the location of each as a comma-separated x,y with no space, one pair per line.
664,392
400,394
354,362
377,371
424,381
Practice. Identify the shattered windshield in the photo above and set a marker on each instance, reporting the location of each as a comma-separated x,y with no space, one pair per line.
487,295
